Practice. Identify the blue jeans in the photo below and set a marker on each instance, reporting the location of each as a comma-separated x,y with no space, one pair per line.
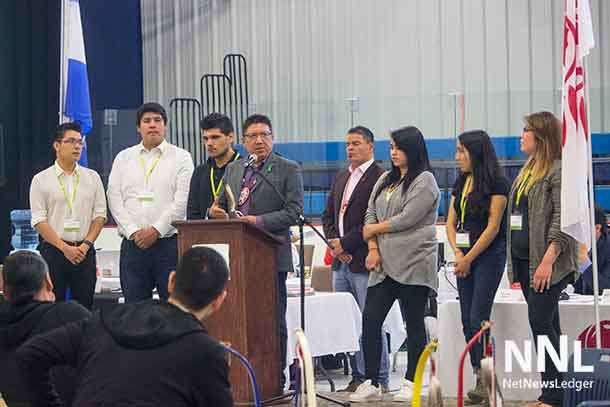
477,292
357,285
143,270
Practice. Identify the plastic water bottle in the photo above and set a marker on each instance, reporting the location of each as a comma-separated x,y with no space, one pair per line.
24,235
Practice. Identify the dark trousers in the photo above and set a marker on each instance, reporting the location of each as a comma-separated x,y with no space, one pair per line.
543,313
143,270
80,278
282,298
379,300
477,292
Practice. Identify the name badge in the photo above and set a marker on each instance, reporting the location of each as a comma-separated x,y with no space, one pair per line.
71,226
146,197
516,221
462,239
509,295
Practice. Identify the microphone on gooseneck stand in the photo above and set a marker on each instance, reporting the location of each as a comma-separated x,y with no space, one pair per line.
251,160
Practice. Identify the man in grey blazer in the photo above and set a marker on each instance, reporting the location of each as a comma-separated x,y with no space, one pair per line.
261,204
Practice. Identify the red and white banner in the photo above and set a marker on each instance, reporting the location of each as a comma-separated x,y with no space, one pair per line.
577,42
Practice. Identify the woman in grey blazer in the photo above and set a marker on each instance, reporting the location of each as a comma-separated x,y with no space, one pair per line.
539,256
402,261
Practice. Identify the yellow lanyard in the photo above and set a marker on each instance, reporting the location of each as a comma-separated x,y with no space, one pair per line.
391,188
150,170
69,201
522,186
215,190
464,199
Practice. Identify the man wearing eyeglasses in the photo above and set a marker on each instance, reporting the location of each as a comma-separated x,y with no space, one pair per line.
147,190
68,211
261,204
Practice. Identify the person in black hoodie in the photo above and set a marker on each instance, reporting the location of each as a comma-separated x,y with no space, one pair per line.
153,353
29,310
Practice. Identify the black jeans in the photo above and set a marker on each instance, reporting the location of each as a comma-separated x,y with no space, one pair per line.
543,313
282,301
379,300
143,270
80,278
477,292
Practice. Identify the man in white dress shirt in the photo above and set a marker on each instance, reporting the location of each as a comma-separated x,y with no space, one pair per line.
147,191
69,211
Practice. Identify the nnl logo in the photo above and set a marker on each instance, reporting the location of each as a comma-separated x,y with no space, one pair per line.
524,359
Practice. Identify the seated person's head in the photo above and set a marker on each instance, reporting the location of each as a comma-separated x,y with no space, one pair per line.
601,224
199,282
26,278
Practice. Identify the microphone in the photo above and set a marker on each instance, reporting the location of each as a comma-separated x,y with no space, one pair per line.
251,160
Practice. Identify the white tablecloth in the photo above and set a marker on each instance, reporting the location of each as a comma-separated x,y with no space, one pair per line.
511,322
333,324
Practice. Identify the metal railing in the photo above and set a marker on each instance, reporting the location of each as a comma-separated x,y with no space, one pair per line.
185,115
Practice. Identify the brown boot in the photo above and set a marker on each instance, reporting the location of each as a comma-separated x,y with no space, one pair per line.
352,386
478,395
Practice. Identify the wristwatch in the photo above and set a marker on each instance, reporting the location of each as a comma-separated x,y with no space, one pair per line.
88,243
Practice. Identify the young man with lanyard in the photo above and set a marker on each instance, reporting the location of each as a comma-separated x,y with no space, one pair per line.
218,138
68,211
147,191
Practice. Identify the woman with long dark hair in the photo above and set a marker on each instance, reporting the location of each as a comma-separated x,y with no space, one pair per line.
541,257
401,234
476,231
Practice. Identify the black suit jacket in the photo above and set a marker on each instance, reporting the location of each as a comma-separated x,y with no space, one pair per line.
353,220
200,192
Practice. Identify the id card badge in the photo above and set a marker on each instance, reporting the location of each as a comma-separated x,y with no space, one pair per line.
516,221
462,239
146,197
71,226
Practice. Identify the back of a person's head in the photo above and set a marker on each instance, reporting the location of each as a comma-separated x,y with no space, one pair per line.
201,276
24,276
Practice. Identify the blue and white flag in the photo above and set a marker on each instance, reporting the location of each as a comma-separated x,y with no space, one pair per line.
75,84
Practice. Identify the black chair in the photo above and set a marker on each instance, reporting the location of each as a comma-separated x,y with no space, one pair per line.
600,377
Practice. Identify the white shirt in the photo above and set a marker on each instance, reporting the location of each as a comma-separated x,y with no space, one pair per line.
136,204
48,201
354,178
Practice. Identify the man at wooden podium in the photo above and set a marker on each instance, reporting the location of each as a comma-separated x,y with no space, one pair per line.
273,207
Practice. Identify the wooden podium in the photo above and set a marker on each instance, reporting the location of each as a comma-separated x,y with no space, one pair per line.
247,320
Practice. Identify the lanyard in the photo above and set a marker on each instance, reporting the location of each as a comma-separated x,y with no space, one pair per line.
522,185
216,190
391,189
150,170
69,201
464,199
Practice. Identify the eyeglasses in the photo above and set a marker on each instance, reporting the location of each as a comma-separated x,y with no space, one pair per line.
527,128
73,141
152,119
254,136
